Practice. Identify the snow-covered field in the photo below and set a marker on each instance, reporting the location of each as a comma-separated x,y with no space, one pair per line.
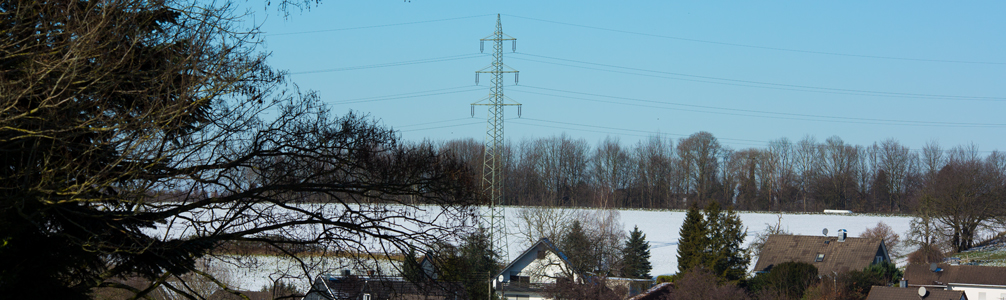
661,229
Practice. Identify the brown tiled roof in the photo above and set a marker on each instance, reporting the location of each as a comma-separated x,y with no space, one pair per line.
897,293
852,254
919,274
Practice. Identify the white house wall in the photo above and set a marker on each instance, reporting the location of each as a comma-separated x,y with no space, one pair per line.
545,270
980,292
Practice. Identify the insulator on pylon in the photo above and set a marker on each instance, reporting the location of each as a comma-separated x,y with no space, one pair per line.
516,78
514,43
473,111
482,46
518,110
476,78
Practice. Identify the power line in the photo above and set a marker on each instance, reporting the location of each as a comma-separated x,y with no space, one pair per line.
395,64
466,88
765,47
376,26
436,122
444,126
644,133
759,84
779,115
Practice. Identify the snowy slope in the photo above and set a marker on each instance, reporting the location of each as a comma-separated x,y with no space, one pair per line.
661,229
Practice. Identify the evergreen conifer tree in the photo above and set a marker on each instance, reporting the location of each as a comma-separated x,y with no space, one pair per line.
480,264
692,241
726,235
578,247
411,270
713,242
636,255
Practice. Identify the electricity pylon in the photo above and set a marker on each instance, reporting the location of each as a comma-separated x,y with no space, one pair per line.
492,167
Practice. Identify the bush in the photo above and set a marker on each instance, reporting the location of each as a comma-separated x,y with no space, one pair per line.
887,271
788,280
927,253
699,283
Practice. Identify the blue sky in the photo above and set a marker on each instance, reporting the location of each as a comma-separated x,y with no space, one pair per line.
748,72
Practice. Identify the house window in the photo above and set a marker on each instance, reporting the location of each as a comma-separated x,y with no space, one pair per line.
820,258
878,259
541,254
520,279
366,296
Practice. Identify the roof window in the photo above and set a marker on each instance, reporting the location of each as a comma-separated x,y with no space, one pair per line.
820,258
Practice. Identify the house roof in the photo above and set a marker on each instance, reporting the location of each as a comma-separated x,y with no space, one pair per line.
897,293
852,254
253,295
919,274
659,291
542,242
388,287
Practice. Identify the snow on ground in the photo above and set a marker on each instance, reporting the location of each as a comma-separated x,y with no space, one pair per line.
661,229
253,272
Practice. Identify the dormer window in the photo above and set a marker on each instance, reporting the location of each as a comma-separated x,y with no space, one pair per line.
820,258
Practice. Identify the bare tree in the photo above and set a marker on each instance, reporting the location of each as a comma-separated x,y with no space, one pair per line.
837,183
534,223
933,159
138,136
891,239
654,170
897,161
785,182
809,164
700,154
611,169
964,197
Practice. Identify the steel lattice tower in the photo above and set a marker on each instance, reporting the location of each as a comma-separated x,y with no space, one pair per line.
492,168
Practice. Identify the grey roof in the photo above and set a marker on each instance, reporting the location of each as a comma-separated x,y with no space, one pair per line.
919,274
852,254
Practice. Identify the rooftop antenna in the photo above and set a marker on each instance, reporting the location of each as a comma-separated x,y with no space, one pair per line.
933,267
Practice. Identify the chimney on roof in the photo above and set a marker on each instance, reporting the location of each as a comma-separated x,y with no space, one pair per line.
842,234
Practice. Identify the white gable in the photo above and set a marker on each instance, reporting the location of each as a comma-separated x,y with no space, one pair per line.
540,264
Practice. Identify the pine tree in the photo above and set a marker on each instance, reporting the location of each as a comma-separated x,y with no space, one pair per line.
411,270
480,263
636,255
728,260
713,242
692,241
579,248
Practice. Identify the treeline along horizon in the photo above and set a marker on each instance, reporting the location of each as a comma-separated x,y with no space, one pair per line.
660,173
